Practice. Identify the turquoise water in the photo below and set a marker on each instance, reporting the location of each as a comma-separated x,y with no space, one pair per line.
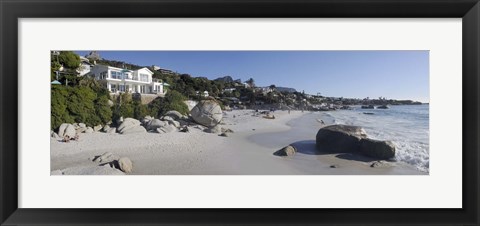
407,126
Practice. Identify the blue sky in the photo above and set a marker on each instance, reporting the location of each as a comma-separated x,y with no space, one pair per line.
356,74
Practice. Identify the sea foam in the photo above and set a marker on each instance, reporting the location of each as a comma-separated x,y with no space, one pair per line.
407,126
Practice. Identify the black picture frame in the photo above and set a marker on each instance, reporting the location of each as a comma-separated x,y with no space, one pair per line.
12,10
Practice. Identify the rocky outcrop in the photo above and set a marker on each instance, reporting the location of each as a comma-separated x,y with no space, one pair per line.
207,113
130,125
352,139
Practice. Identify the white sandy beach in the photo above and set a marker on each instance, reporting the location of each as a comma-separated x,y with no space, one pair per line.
248,151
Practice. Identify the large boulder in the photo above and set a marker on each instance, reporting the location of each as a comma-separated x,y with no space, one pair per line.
81,130
136,129
288,151
377,149
166,129
174,114
106,128
340,138
207,113
125,164
54,135
155,124
130,125
66,129
97,128
147,119
89,130
352,139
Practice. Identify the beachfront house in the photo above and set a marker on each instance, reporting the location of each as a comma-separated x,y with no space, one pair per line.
123,80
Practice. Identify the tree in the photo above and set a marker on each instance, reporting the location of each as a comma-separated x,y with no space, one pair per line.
69,60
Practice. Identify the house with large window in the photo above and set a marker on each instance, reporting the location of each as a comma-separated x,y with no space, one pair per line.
123,80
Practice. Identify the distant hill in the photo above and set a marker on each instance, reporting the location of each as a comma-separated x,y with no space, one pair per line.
224,79
286,89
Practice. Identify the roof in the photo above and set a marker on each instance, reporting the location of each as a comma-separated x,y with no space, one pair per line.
55,83
145,69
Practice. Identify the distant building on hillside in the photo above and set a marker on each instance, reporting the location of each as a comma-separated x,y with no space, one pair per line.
229,90
123,80
165,71
264,90
85,66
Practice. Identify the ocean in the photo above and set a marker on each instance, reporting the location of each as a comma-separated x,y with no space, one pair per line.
407,126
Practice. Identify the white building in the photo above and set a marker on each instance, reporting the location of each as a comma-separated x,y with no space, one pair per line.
85,66
229,90
124,80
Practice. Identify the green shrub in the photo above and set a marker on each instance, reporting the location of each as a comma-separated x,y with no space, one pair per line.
140,110
81,105
123,107
103,110
59,112
173,100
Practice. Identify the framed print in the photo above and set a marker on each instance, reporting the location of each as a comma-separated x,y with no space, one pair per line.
227,112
